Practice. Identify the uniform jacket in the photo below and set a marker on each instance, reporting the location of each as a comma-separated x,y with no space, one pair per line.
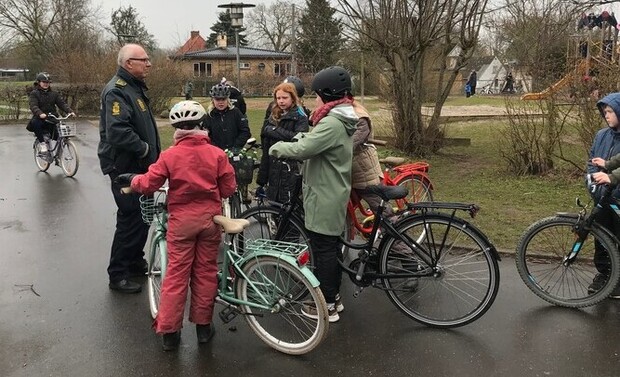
237,99
228,129
129,141
607,140
281,181
327,151
199,175
45,102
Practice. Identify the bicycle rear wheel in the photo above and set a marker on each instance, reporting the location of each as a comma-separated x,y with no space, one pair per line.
69,159
541,262
39,158
419,188
158,260
457,287
272,282
266,223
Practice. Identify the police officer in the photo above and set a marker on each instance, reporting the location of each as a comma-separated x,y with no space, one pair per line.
236,97
129,143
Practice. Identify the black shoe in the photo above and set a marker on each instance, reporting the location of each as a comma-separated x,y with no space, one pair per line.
125,286
171,341
204,333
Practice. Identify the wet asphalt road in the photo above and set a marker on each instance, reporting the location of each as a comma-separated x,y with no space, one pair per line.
58,318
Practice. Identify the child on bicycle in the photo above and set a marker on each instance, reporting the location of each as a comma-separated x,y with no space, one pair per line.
606,146
43,100
199,176
228,126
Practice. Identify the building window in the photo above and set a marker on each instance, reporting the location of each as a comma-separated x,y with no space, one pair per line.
202,70
261,67
244,65
281,69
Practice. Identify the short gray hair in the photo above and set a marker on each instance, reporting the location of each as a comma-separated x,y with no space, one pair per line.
125,52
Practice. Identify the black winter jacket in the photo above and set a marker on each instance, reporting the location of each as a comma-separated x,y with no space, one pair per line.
45,102
128,137
228,129
272,172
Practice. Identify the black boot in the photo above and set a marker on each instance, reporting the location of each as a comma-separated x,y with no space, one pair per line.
171,341
204,333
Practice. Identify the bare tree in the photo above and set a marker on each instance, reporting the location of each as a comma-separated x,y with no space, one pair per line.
409,34
273,24
44,28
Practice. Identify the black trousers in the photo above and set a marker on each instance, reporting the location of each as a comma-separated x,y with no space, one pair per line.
325,251
40,127
601,256
130,236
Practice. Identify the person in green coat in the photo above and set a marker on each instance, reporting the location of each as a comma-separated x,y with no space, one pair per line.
326,151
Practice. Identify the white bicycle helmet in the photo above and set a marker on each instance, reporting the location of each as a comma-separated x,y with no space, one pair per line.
185,112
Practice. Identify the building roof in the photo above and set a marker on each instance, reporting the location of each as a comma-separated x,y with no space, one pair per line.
194,43
230,52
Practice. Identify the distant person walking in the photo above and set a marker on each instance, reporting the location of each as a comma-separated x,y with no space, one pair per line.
472,81
189,90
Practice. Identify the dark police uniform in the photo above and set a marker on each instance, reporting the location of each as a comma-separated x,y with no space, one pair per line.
129,143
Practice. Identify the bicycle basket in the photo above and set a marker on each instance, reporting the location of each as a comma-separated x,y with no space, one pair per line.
244,168
152,206
263,245
66,129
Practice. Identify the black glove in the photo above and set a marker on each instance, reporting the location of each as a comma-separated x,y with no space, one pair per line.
124,180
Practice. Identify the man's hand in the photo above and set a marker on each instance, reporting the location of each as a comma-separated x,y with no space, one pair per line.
124,180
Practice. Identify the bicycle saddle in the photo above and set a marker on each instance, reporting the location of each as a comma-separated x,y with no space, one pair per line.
392,161
387,192
231,226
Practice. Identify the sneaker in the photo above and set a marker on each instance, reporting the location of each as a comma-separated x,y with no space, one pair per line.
597,283
339,305
309,310
397,266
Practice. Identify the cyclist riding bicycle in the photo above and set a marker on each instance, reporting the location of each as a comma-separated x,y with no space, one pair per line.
199,176
43,100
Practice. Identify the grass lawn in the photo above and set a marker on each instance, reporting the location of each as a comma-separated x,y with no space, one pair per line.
476,174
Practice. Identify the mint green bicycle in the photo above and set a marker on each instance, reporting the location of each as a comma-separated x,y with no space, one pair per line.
267,282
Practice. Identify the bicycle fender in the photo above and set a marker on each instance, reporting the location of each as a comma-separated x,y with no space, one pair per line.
289,259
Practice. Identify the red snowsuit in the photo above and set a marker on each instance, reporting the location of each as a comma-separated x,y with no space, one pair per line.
199,176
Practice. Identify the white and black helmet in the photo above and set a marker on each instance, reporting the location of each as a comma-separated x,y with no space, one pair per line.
185,112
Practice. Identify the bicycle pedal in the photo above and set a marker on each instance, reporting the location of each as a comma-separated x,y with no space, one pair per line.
228,314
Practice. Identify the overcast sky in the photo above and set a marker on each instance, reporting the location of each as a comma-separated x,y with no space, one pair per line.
171,22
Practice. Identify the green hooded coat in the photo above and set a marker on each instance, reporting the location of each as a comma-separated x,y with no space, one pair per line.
327,151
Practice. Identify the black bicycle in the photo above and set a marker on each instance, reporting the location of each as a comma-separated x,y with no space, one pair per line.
556,258
435,267
244,161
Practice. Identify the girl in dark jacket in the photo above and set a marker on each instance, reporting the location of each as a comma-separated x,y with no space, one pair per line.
228,127
287,119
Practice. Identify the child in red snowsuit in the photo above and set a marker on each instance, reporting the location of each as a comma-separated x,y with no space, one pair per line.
199,176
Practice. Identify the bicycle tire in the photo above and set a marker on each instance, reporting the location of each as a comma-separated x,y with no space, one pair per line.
454,290
69,158
418,186
541,252
158,261
42,163
274,282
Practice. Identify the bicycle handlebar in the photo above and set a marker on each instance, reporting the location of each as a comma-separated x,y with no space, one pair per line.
50,115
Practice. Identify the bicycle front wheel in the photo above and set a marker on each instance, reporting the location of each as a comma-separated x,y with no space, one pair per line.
419,188
40,158
459,284
541,260
158,260
69,159
273,283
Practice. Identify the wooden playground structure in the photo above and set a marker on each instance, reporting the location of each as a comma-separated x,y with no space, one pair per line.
587,50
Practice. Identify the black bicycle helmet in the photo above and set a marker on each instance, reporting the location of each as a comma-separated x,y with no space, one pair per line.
299,85
44,76
220,91
332,83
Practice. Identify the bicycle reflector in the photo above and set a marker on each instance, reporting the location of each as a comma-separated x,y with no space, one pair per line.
303,258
